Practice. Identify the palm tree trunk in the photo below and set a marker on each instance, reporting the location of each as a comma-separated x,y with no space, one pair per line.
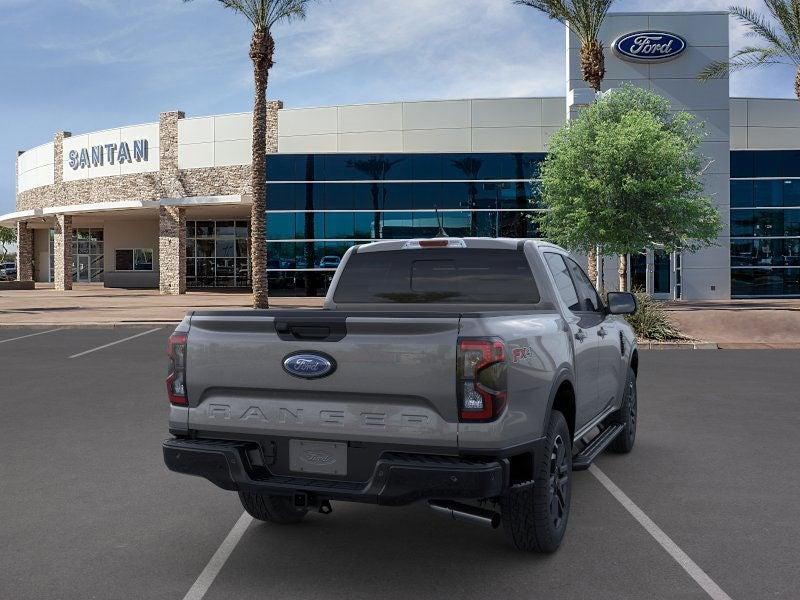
593,70
261,51
797,84
593,67
376,212
623,273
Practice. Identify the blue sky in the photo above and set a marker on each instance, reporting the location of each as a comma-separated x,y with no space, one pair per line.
84,65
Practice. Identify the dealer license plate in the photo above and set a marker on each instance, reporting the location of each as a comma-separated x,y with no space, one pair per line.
325,458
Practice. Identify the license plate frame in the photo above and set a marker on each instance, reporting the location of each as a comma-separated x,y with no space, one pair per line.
317,457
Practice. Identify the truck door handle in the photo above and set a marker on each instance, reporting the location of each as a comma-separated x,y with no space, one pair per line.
602,332
580,336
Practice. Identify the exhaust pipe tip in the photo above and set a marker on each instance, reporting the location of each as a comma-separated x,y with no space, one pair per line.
465,513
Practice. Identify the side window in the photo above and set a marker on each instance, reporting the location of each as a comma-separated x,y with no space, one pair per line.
588,296
564,285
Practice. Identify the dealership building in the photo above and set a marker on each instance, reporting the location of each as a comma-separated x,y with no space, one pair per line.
166,204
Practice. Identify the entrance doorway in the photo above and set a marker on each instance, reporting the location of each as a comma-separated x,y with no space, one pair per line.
638,271
662,270
83,269
87,252
656,272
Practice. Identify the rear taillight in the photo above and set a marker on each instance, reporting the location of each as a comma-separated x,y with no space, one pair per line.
176,379
481,373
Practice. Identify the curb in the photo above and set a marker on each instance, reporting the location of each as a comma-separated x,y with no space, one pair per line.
647,345
759,346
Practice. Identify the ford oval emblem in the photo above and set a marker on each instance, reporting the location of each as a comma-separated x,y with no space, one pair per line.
309,365
649,46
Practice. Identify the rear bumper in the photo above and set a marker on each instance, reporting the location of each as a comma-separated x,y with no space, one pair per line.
398,478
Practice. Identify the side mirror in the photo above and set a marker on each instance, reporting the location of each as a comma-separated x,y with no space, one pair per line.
621,303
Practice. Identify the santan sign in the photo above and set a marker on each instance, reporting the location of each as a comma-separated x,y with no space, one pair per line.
649,46
97,156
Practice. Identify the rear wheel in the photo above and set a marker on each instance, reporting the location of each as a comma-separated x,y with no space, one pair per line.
627,416
535,517
275,509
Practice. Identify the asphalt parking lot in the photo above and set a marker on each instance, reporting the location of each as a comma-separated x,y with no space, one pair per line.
87,509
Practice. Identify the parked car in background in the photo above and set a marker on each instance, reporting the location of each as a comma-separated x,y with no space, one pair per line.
8,271
472,374
329,262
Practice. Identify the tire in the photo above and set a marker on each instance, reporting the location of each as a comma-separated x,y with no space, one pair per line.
275,509
627,415
535,517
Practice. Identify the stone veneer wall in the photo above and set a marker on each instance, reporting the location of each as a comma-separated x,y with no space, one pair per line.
172,250
62,250
24,252
217,181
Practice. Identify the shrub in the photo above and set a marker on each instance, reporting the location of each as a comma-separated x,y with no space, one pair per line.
651,321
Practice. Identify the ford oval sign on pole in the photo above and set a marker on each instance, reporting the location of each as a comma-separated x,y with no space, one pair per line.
309,365
649,46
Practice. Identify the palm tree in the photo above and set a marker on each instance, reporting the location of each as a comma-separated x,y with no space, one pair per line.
471,167
376,168
584,19
780,41
263,15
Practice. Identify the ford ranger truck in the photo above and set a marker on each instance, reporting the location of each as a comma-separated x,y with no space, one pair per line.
471,374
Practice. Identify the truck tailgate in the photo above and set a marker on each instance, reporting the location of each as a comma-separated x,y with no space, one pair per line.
394,380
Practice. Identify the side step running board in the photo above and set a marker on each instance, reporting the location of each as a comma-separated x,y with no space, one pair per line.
586,457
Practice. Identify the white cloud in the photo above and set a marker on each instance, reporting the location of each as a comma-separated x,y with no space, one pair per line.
431,49
451,48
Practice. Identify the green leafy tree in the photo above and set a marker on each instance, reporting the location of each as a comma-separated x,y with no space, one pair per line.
778,40
626,175
584,19
7,237
263,15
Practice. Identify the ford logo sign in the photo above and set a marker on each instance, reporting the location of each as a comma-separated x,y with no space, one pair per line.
649,46
309,365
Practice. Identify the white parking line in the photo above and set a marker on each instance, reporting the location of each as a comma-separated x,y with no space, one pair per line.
114,343
209,574
22,337
688,565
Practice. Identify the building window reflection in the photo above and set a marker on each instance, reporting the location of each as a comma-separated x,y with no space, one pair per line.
218,254
320,205
765,223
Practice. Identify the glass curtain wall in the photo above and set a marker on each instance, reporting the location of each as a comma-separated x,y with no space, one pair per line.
217,254
319,205
765,223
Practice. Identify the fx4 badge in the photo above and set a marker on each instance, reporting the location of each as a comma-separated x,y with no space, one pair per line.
521,353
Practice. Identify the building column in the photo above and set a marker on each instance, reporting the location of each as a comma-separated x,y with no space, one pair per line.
171,219
24,252
171,250
62,253
168,172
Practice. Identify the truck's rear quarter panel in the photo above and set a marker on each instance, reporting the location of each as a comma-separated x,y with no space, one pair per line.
537,350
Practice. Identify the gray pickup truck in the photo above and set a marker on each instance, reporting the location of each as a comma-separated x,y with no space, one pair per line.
472,374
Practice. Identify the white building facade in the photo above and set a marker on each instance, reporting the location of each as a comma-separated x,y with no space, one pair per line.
167,204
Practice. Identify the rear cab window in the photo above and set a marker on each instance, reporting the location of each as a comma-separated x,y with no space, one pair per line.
438,276
572,284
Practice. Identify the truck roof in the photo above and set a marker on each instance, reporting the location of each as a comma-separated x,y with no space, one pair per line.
470,242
